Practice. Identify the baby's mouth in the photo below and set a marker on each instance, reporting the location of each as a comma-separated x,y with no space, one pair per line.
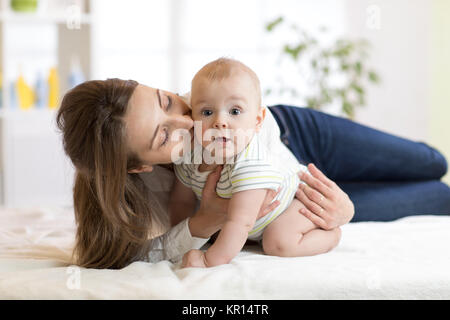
221,139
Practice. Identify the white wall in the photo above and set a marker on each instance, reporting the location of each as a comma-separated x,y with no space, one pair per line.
163,43
173,39
132,40
440,86
400,104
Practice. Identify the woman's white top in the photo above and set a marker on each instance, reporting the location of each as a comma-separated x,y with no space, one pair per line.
174,243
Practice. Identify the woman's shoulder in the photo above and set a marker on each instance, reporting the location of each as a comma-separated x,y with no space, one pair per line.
160,179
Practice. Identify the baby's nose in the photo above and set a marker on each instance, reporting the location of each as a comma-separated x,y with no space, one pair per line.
220,123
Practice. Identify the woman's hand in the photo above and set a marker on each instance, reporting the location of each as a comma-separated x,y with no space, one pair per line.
213,209
194,258
326,204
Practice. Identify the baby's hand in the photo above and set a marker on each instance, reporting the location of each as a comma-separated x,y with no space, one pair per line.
194,258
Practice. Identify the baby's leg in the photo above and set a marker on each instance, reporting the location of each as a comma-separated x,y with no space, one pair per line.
293,235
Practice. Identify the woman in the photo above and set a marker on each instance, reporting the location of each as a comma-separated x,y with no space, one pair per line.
117,134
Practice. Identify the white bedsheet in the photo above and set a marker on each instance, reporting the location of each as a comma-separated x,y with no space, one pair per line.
405,259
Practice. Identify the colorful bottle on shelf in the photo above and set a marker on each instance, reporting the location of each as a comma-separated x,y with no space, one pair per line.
13,94
53,88
25,94
41,91
76,74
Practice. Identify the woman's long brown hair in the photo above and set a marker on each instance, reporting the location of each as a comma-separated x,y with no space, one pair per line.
112,212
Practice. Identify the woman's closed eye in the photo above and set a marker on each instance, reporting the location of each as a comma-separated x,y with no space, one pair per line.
168,104
165,134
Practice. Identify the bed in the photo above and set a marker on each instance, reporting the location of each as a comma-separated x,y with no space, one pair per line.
404,259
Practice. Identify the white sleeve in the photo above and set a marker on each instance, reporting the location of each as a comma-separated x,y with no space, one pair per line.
173,244
270,137
270,132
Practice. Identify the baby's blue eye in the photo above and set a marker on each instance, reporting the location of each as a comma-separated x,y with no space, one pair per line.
235,111
206,112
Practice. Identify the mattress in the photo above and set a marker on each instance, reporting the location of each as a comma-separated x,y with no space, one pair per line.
404,259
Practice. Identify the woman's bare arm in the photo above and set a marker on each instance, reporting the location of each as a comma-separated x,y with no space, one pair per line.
181,202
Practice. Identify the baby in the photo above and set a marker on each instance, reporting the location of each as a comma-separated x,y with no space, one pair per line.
226,98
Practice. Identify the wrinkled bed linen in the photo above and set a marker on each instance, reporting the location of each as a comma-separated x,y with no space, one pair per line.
404,259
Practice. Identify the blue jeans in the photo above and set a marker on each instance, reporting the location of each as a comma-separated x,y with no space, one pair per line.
386,177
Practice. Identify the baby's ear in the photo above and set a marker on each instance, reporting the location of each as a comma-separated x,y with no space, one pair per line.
260,118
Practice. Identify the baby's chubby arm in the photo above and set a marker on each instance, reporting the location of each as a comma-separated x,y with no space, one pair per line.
181,202
242,213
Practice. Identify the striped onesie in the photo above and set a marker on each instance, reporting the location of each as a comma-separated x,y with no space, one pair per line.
253,168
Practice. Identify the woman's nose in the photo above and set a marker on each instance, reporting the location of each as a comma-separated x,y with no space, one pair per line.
183,121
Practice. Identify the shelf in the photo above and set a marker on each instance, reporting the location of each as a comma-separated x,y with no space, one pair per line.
34,169
30,113
39,18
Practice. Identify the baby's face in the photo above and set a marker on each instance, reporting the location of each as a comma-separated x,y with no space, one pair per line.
228,110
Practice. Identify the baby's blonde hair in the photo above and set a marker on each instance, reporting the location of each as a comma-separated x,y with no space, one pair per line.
223,68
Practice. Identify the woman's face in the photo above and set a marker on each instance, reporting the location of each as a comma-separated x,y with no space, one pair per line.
152,117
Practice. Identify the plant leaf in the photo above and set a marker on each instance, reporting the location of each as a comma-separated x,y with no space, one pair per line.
271,25
373,76
294,51
358,68
359,90
347,107
267,92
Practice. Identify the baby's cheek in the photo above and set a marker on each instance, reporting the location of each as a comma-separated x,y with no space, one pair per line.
205,126
207,136
198,133
208,131
201,132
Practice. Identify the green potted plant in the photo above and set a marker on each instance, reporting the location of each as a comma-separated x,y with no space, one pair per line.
344,59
